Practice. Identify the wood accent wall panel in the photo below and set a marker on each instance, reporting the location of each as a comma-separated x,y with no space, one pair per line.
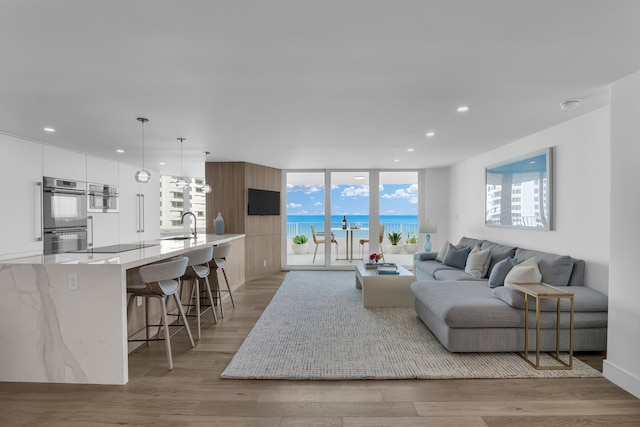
231,181
259,249
228,196
235,267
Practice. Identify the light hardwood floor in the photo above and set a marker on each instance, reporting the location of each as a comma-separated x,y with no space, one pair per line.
194,395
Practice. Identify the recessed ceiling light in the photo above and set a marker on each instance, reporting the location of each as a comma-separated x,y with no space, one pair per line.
119,150
396,160
359,177
570,104
410,150
48,129
162,163
430,134
462,109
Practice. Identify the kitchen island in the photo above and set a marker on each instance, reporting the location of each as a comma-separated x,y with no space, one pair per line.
64,316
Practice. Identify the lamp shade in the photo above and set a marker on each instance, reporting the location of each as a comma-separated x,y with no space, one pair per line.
428,227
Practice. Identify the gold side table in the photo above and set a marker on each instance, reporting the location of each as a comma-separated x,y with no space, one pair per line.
541,291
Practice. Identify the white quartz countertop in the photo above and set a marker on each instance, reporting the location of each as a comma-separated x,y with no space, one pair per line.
165,248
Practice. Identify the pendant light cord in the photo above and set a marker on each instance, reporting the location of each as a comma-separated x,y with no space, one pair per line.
181,140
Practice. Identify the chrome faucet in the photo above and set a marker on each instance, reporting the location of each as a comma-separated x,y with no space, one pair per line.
195,234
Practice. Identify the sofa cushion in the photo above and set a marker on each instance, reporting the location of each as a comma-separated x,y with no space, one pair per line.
456,257
428,268
524,272
500,271
466,305
498,253
425,256
454,274
585,299
477,262
443,251
469,242
555,269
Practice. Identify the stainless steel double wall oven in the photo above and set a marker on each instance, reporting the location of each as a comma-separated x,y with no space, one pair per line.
64,215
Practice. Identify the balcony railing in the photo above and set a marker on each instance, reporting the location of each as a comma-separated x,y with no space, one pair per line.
298,228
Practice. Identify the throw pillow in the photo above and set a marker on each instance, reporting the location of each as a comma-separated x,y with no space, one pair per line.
525,272
500,271
456,257
476,262
442,252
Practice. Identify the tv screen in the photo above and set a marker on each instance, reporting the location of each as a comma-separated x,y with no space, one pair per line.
264,202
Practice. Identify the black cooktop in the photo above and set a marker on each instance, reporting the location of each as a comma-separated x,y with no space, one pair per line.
113,249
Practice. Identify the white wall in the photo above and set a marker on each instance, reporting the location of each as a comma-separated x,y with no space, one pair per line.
581,194
623,347
436,202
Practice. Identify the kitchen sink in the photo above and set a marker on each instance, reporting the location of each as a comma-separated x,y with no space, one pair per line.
177,238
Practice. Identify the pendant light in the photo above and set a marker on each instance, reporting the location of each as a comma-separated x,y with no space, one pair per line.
206,188
181,183
143,176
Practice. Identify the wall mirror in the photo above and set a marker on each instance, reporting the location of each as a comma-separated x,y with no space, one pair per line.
518,192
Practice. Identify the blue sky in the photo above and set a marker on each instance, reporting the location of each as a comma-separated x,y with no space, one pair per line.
395,199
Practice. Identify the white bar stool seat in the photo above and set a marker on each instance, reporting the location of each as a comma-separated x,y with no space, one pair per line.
220,254
160,281
199,268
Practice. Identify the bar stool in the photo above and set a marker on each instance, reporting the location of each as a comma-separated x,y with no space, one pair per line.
198,268
159,281
220,254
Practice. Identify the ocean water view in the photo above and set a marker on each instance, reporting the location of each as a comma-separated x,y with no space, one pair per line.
301,224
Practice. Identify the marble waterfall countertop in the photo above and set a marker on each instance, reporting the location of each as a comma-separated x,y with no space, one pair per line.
155,250
63,318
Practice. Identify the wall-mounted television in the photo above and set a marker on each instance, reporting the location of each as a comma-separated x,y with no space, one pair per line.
264,202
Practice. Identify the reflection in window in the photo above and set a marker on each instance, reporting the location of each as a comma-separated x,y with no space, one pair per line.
174,203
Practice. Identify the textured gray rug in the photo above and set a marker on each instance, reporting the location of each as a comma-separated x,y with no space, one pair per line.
316,328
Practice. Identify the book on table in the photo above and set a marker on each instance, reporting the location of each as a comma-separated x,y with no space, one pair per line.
388,269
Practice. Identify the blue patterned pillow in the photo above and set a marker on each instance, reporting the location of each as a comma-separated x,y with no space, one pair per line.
456,257
500,271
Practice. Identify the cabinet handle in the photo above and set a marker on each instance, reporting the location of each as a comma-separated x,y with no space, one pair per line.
90,242
138,213
38,220
142,210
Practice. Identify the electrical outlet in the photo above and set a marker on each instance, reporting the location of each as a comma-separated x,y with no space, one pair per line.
73,281
264,263
138,301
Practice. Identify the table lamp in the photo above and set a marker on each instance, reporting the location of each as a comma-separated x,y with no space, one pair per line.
427,227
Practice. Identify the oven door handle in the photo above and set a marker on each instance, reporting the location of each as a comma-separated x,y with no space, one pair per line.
66,231
73,192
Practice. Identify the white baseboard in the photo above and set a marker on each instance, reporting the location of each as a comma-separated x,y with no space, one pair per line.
622,378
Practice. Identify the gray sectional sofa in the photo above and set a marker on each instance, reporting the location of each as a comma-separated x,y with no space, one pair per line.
472,311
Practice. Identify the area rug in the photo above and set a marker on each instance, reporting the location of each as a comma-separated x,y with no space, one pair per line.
315,328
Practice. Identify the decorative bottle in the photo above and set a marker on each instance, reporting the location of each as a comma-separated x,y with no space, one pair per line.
218,224
344,222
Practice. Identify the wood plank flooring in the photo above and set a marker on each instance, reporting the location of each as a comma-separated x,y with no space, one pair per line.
194,395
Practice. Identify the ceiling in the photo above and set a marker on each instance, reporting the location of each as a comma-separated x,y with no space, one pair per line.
305,84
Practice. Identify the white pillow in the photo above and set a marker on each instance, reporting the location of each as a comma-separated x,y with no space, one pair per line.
525,272
442,252
476,262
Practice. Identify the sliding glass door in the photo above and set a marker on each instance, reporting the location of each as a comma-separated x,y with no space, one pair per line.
349,215
354,218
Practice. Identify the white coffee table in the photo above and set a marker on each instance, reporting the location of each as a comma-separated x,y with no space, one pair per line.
385,290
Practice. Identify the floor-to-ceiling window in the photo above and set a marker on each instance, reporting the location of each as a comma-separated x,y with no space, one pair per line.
349,214
372,203
398,202
305,218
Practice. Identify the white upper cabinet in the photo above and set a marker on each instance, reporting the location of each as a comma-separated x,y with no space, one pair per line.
139,206
102,171
67,164
21,213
